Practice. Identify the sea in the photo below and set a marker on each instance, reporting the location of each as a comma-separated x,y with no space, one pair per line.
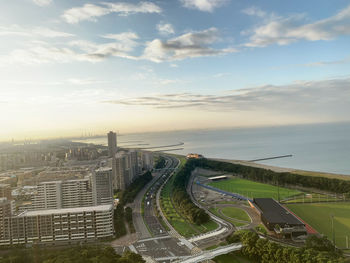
314,147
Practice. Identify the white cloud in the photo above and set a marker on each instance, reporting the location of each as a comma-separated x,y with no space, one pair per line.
91,12
16,30
254,11
324,100
42,2
189,45
286,30
40,52
165,29
203,5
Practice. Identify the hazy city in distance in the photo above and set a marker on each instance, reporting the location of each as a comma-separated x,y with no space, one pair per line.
174,131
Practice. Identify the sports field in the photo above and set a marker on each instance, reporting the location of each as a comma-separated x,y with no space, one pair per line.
235,213
252,189
319,217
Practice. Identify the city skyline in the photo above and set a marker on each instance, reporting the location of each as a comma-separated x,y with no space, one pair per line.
67,67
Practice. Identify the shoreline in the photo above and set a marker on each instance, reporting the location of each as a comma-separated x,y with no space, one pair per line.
286,170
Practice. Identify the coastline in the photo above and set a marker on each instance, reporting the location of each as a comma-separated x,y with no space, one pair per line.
286,170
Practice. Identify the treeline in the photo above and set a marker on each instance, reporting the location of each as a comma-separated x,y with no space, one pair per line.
119,221
317,250
85,254
271,177
182,200
128,217
160,163
131,192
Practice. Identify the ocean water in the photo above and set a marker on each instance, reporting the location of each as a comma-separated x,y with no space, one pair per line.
317,147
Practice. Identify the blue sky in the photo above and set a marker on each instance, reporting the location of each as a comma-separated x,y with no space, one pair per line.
72,66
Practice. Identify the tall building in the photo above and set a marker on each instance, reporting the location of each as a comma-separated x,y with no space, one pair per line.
5,211
5,191
48,196
58,225
102,186
63,194
122,170
125,169
147,160
112,143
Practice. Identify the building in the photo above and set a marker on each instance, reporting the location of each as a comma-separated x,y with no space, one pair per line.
278,219
194,156
218,178
102,186
147,160
121,166
112,143
5,211
48,196
63,194
5,191
53,226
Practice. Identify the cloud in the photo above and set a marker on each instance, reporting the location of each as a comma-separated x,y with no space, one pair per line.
304,98
165,29
40,52
203,5
286,30
42,2
189,45
254,11
16,30
91,12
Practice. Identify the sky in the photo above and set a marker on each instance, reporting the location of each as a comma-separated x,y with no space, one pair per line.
73,67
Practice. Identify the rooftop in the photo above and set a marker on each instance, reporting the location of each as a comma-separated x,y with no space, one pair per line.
275,213
68,210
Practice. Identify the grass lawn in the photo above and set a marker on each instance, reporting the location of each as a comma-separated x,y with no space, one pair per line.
232,221
236,213
314,197
253,189
231,258
319,217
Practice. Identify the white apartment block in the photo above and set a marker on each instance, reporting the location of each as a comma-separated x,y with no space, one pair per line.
102,186
63,194
58,225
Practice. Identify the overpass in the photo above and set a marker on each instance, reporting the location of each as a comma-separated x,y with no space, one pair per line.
210,254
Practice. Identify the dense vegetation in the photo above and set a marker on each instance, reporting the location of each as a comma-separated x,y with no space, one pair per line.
128,217
182,200
271,177
317,250
86,254
160,163
130,193
119,221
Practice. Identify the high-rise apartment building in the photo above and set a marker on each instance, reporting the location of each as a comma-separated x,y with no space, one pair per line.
121,165
5,191
102,186
147,160
58,225
5,211
112,143
63,194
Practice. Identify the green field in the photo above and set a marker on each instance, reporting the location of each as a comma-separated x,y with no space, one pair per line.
235,213
216,212
314,198
319,217
252,189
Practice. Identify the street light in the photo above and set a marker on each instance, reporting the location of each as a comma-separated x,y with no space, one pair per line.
333,234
